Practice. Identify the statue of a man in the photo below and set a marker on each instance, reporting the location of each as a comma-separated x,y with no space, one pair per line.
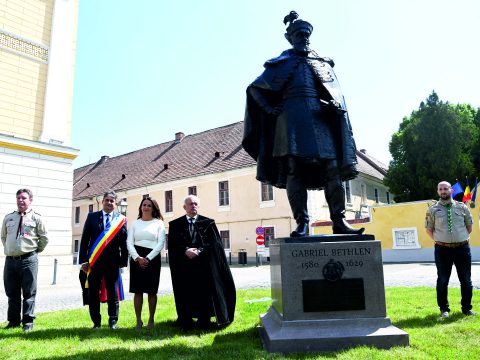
297,128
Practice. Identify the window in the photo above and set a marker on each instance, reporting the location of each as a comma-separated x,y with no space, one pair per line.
192,190
90,208
363,189
388,197
76,245
376,195
348,192
225,236
77,215
168,201
223,198
267,192
269,235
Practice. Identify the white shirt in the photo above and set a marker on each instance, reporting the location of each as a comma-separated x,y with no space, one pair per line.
148,234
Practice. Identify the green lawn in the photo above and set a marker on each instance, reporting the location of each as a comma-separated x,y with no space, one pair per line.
67,334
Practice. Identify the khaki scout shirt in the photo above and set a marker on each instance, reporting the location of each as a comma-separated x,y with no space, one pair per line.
436,220
32,236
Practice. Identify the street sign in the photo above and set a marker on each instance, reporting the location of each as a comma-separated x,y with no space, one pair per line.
260,230
260,240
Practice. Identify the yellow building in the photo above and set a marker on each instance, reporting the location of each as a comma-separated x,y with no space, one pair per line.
401,229
37,52
213,165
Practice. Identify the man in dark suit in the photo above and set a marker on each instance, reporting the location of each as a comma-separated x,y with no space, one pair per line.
110,228
202,282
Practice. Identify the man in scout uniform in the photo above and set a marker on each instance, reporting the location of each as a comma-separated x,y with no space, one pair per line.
23,236
449,224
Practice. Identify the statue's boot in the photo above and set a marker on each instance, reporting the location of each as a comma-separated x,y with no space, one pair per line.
297,197
335,195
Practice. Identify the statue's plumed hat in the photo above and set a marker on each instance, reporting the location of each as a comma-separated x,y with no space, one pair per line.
296,23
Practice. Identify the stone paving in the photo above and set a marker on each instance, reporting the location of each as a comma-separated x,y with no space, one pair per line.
66,293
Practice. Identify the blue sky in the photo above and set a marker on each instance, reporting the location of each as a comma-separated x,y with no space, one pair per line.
150,68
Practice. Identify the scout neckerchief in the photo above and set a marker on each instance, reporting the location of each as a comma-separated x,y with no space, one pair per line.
104,239
449,217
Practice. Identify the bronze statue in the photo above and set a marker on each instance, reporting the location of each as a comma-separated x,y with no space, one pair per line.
297,128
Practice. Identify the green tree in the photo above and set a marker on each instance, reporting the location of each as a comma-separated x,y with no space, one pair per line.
439,141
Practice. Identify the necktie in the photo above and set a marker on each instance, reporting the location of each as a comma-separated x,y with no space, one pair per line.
190,226
107,221
449,218
19,230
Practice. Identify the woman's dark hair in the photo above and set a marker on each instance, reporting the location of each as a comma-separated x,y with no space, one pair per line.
156,214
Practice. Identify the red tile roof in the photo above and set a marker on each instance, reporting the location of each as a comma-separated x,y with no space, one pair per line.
194,155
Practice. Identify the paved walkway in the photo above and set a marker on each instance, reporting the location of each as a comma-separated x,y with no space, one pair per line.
66,293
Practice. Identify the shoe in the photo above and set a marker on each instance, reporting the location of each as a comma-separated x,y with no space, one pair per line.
150,325
301,230
469,313
96,327
445,315
113,324
28,327
341,226
11,325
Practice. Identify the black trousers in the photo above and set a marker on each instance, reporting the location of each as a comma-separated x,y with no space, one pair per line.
445,258
20,277
110,274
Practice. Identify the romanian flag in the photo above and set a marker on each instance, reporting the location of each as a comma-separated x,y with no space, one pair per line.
467,195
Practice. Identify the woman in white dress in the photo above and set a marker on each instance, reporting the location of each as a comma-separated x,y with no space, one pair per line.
146,238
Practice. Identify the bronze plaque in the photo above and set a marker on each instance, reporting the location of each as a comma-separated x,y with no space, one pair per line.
340,295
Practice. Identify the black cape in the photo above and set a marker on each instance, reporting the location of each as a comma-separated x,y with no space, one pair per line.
259,127
209,272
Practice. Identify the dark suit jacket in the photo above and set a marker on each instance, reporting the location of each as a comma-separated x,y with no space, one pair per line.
115,253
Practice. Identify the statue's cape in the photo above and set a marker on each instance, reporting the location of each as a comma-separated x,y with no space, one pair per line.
259,127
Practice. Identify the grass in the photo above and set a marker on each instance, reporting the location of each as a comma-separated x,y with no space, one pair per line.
67,334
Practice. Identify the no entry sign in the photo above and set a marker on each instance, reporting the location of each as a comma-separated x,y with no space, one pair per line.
260,240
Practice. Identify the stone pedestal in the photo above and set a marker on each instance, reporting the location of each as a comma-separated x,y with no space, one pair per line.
327,294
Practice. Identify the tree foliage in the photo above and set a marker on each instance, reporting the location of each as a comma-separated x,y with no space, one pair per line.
439,141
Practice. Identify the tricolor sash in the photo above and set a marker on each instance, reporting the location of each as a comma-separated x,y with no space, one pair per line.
104,239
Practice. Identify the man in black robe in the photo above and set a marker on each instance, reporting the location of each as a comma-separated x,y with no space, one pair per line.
202,282
297,129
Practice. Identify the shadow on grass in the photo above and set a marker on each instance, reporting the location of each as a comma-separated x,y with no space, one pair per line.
162,331
427,321
239,344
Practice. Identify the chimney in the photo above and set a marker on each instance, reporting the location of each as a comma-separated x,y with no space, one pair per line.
363,151
179,136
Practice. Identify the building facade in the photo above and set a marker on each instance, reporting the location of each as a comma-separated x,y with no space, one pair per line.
213,166
37,52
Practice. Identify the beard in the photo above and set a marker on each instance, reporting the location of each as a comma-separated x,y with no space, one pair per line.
445,196
302,47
